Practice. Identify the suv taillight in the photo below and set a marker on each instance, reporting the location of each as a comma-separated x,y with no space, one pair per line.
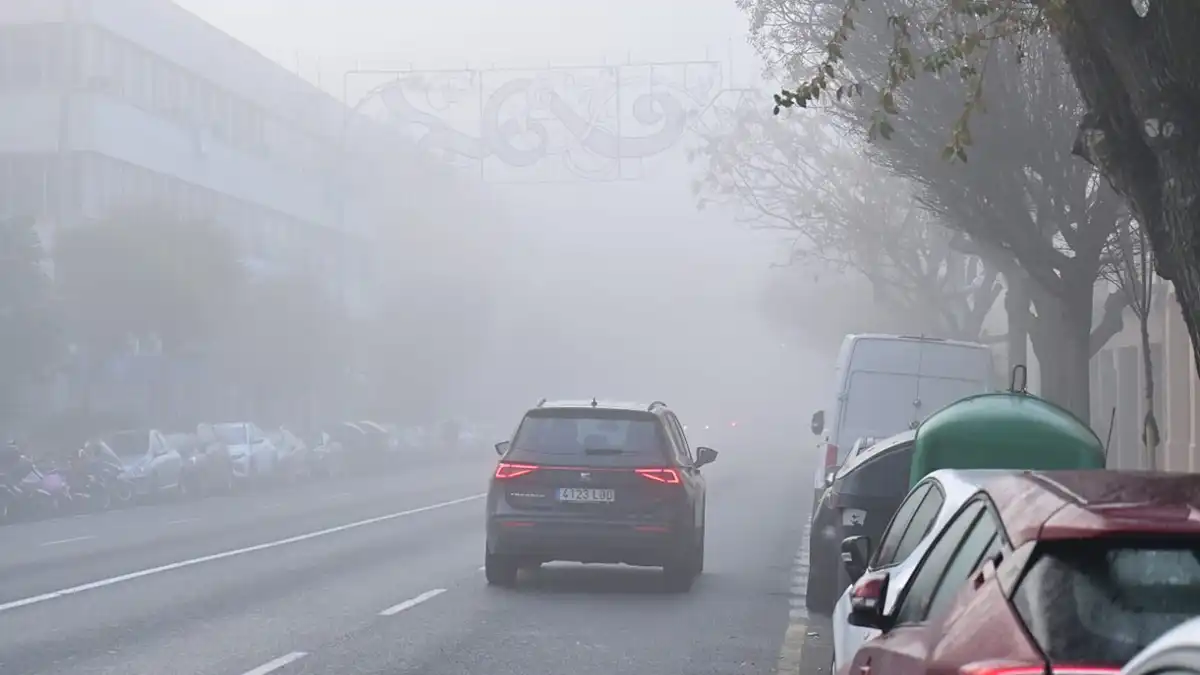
668,476
830,455
510,470
1003,669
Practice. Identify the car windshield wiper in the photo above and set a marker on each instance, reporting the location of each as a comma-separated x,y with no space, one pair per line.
603,451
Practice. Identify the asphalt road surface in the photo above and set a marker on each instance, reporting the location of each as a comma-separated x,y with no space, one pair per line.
383,575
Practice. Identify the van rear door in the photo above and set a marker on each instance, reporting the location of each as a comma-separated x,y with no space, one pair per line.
950,372
879,390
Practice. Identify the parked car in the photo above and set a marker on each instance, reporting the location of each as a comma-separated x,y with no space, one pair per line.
380,440
861,499
920,516
295,457
207,468
251,453
1175,653
327,457
151,465
1038,571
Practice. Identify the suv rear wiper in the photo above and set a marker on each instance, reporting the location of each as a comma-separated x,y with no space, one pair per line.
603,451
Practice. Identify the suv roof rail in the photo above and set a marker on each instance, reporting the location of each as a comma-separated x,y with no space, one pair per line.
655,404
541,402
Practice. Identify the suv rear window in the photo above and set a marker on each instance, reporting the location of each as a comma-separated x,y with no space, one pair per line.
590,432
1103,601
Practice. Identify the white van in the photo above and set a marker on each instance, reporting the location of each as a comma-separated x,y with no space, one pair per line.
888,383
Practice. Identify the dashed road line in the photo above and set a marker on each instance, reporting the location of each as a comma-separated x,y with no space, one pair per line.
790,655
798,612
72,540
276,664
112,581
182,521
412,602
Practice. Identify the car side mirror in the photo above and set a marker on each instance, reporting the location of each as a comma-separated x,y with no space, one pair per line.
818,422
868,598
502,448
705,456
856,551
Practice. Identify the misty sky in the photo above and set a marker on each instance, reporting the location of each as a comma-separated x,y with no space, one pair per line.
632,272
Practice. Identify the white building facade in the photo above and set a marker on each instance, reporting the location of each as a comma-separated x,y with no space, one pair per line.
112,103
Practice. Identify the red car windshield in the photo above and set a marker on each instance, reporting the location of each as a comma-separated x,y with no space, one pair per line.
1102,601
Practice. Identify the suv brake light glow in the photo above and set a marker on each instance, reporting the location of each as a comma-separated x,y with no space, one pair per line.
668,476
510,470
1002,669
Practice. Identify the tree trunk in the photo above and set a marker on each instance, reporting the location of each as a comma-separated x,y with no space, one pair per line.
1150,437
1062,341
1016,306
1138,76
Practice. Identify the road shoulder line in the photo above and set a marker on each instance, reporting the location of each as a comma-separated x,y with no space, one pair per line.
112,581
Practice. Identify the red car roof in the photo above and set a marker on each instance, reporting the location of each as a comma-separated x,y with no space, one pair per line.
1082,504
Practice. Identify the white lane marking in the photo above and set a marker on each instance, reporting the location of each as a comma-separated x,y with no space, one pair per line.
181,521
56,542
413,602
798,610
276,664
482,568
112,581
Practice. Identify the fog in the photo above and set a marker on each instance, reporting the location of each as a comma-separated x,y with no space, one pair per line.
610,289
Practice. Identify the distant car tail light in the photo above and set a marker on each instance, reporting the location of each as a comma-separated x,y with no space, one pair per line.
1009,668
506,470
831,453
668,476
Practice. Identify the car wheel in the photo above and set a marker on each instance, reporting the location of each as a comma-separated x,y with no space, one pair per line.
679,574
820,589
500,570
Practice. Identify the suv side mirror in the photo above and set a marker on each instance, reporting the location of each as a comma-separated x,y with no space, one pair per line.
502,447
868,598
818,422
705,456
856,551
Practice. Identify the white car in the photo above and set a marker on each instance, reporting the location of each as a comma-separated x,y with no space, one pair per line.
922,514
251,453
1177,652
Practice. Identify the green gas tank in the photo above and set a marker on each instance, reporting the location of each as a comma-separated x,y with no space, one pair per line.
1004,430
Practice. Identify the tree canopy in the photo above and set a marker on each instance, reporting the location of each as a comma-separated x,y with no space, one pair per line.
1131,61
29,336
848,214
147,274
1023,203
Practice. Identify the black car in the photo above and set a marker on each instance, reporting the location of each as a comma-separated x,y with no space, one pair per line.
597,482
861,499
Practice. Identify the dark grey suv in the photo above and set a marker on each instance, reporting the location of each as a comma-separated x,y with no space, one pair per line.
597,482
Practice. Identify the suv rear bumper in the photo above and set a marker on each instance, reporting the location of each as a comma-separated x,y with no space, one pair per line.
545,539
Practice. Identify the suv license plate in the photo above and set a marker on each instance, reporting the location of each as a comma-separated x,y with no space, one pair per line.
586,495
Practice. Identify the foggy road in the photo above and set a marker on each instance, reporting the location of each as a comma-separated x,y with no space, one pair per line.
382,575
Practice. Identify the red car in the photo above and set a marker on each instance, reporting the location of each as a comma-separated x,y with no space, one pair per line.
1055,572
